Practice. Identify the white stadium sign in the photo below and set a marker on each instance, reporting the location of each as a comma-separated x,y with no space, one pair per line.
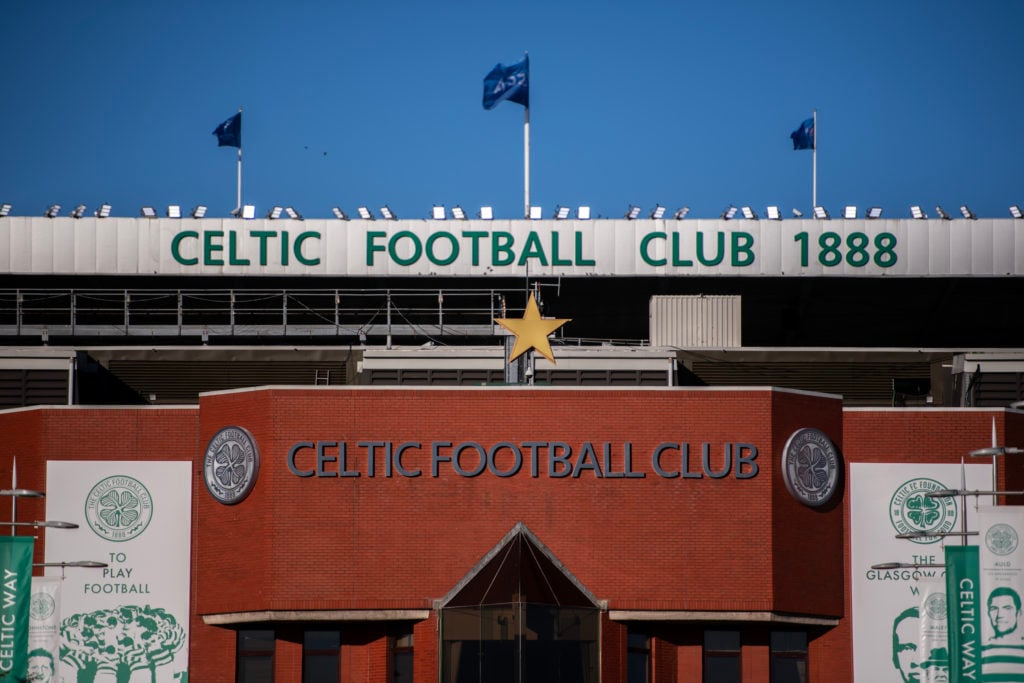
815,248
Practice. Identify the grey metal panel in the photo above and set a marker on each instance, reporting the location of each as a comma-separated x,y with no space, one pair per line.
696,321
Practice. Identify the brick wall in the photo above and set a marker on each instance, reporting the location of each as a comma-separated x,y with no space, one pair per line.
651,543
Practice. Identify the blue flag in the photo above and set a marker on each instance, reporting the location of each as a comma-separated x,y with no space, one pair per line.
803,137
510,83
229,133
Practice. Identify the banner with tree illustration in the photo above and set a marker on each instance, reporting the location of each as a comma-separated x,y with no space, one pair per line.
128,622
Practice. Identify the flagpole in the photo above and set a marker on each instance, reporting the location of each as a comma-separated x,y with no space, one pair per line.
814,181
14,487
238,205
526,162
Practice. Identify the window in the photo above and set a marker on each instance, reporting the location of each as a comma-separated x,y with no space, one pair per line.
789,657
255,660
400,643
721,657
320,656
638,662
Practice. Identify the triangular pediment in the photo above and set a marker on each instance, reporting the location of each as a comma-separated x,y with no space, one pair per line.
519,569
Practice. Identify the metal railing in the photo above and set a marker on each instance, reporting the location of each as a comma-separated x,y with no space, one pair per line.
360,313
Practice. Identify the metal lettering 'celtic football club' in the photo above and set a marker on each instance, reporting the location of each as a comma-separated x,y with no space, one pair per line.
810,467
231,465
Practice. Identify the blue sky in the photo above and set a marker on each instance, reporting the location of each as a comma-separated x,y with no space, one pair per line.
644,102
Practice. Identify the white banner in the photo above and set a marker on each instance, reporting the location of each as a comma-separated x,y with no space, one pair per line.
886,500
44,614
128,622
410,248
1001,559
934,631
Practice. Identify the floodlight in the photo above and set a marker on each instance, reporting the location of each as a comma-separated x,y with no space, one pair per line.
536,213
658,212
561,213
148,212
729,213
437,213
173,211
52,211
249,212
967,213
773,213
874,213
78,211
680,214
850,212
1016,212
486,213
583,213
458,214
749,214
942,213
199,211
292,213
917,212
274,213
5,210
821,213
365,213
339,214
632,212
797,213
387,214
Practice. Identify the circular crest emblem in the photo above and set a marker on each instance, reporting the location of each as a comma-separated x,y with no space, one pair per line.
119,508
1001,539
231,465
810,467
41,606
935,606
911,510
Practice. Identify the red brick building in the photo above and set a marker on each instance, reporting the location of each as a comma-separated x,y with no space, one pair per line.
514,533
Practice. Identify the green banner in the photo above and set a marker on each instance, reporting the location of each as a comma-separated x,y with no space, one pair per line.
15,594
963,600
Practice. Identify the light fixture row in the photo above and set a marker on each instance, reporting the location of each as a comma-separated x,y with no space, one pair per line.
486,213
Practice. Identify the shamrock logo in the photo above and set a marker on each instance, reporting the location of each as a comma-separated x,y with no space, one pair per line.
119,509
923,511
230,465
812,467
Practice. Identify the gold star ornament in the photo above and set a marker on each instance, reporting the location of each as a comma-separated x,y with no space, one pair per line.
531,331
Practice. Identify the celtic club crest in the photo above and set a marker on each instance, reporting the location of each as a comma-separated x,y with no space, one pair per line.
1001,539
935,606
810,467
911,510
231,465
119,508
41,606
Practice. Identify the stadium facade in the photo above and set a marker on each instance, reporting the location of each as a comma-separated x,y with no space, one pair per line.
372,493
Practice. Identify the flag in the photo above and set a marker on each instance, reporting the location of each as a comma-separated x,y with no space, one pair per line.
803,137
44,623
965,605
16,563
510,83
229,133
1001,568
